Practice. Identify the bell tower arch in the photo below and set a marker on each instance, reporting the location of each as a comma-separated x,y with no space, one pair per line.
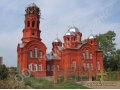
31,29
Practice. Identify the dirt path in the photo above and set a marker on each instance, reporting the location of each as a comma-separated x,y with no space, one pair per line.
101,85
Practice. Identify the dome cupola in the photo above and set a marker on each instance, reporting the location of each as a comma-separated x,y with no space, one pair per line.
91,36
72,30
57,40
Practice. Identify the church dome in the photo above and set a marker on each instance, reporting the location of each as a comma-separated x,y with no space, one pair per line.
71,30
32,9
91,36
68,33
57,40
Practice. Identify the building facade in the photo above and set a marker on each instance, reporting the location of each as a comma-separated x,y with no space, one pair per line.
68,57
32,51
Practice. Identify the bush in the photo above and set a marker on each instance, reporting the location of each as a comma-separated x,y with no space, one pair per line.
3,72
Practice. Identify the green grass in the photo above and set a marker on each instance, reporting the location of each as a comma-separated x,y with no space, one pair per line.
40,83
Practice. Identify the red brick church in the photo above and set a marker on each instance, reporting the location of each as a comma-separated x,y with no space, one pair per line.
71,55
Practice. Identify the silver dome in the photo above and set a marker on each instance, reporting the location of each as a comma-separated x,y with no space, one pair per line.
69,33
91,36
73,29
57,40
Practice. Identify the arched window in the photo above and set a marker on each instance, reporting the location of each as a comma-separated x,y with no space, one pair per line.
48,67
33,23
73,65
90,55
30,67
91,66
40,54
30,54
98,65
83,56
28,23
57,67
52,67
35,67
40,67
84,66
88,66
87,54
35,52
68,39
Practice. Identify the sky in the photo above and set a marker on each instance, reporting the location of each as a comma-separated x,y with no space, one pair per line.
98,16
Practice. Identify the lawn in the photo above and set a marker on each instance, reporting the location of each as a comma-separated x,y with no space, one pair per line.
38,83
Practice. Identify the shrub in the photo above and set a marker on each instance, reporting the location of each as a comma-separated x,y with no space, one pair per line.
3,72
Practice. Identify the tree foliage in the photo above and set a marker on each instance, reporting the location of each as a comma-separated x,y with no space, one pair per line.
106,43
110,54
3,72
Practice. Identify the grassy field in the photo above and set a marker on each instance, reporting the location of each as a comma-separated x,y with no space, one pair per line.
39,83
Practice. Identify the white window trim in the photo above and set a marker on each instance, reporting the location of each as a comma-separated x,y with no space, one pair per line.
30,67
40,67
35,53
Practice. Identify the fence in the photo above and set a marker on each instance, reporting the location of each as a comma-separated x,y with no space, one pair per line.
81,75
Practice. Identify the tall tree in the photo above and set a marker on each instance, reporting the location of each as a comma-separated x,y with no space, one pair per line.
107,45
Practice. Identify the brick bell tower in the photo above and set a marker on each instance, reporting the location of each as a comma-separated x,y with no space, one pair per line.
32,51
31,30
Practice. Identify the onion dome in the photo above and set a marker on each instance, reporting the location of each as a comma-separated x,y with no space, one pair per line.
69,33
32,9
91,36
72,30
57,40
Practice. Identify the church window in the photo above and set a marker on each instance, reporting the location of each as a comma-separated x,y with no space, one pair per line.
30,67
30,54
90,55
91,66
35,52
57,67
88,66
48,67
40,67
40,54
98,65
83,56
68,39
52,67
84,66
87,55
33,23
33,34
73,65
28,23
35,67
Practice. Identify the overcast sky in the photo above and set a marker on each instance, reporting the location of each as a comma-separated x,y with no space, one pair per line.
57,15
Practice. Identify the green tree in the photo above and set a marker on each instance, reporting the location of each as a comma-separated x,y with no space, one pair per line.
3,72
107,45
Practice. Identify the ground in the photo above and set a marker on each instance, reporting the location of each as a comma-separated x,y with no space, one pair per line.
101,85
39,83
